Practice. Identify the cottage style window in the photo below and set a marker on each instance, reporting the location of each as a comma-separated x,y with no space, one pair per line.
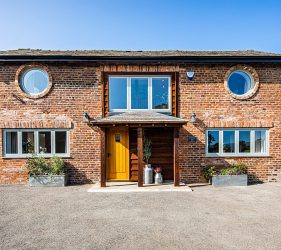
237,142
41,142
139,93
240,82
34,81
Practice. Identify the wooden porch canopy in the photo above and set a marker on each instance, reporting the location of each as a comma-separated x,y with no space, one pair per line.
140,120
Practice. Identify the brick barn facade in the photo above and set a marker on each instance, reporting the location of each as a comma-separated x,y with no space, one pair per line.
78,82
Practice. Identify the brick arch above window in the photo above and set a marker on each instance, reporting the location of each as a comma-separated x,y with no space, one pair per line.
22,69
255,78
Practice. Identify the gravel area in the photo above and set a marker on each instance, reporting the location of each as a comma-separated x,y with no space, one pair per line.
207,218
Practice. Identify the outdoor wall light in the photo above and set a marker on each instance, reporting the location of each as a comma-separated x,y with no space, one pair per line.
193,117
190,75
86,117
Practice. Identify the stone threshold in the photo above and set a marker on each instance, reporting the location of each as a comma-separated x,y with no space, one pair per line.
130,187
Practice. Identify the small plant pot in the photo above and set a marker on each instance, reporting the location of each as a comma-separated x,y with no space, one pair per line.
47,180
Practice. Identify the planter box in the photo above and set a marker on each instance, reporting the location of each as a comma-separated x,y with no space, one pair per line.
48,181
230,180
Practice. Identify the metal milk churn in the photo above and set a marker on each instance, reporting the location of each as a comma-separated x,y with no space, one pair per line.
147,174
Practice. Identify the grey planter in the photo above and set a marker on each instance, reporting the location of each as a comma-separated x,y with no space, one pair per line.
230,180
48,181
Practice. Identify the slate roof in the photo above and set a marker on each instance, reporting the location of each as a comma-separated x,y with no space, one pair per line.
141,117
124,53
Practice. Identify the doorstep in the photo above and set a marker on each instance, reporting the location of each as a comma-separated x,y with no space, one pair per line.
129,187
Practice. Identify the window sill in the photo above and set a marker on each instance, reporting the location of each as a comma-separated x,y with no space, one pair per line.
30,156
238,156
139,110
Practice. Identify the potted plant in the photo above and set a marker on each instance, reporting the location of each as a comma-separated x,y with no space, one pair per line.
147,175
235,175
42,173
208,173
158,175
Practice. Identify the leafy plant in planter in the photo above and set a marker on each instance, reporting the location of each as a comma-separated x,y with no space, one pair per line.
146,149
43,173
57,165
208,172
235,175
147,171
37,166
235,169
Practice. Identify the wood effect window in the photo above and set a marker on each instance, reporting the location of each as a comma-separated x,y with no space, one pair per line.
135,93
21,143
237,142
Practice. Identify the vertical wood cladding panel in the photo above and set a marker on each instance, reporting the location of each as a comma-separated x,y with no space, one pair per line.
162,151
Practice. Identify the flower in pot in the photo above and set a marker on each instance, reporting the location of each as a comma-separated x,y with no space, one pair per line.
158,175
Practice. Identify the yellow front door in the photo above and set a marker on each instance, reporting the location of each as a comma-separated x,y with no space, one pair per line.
118,154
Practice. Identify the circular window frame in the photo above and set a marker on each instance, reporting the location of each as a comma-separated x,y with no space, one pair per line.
23,70
251,72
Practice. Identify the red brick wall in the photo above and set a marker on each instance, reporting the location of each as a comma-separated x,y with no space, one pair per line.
77,88
207,97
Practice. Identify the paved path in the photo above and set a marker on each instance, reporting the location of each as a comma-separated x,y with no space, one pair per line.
132,187
207,218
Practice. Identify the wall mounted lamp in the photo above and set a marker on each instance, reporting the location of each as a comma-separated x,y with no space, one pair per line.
193,117
190,75
86,117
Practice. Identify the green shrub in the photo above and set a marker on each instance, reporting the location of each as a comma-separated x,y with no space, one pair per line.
241,167
57,165
208,172
235,169
37,166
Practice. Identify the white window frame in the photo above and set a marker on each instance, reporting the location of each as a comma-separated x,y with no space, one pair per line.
22,83
149,77
251,79
36,143
252,152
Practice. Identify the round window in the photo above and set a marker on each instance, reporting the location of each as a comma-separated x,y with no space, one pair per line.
240,82
34,81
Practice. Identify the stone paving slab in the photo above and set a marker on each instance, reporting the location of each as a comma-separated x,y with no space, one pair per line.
129,187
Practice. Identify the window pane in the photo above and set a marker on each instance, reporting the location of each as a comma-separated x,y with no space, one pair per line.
44,142
117,93
260,141
61,142
213,141
27,142
228,142
239,82
35,81
139,93
244,141
11,142
160,93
